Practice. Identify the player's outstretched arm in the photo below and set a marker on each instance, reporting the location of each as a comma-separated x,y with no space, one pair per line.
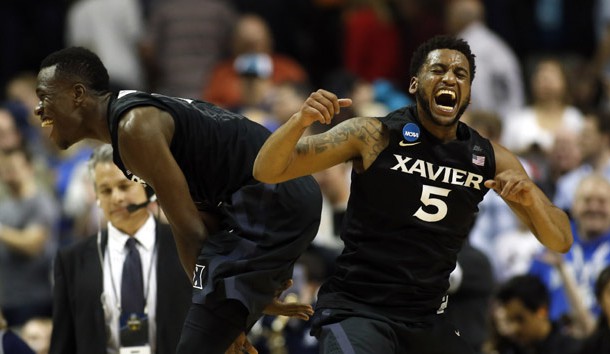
546,221
144,137
285,155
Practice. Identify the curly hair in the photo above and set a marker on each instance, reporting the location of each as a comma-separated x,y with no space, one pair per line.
79,64
441,42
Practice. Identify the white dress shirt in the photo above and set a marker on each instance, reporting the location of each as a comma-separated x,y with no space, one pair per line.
114,257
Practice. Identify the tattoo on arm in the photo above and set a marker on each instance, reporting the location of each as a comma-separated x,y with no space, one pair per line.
368,131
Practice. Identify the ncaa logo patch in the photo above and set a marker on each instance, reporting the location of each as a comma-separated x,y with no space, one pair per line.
410,132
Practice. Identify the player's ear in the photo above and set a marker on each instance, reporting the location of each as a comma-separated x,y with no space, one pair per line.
79,90
413,85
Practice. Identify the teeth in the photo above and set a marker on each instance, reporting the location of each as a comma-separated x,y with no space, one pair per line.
46,123
445,108
447,92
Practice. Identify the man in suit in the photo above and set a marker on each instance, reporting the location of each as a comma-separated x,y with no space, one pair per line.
91,291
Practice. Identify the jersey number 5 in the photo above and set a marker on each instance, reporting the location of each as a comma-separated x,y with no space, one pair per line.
428,194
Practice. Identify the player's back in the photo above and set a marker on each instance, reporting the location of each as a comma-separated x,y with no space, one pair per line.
214,148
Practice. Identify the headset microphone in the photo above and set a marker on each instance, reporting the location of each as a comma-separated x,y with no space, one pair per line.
135,207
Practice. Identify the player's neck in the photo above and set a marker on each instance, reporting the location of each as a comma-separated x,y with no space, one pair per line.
99,119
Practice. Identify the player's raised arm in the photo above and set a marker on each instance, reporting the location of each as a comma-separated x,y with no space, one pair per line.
547,222
286,155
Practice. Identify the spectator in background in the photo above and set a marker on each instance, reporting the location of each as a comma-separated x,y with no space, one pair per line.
372,41
113,30
28,240
250,36
594,147
514,252
499,84
522,321
363,93
549,111
599,340
10,343
418,21
86,302
258,89
563,169
36,332
595,141
288,98
589,254
73,196
10,136
183,41
21,91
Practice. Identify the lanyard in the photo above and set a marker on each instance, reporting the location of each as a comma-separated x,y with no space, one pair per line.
116,294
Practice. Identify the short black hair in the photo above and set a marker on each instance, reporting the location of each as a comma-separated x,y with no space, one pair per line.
528,288
441,42
80,64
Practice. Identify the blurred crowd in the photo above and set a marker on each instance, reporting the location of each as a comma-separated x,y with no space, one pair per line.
542,89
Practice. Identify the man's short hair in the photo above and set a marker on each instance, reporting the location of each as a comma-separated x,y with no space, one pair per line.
79,64
441,42
101,154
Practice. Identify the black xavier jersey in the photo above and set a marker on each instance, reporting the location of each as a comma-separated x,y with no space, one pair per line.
407,217
214,148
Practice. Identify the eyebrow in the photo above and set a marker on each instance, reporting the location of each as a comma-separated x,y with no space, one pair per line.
445,67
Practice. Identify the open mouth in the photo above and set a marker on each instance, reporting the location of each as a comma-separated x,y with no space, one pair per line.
46,122
445,100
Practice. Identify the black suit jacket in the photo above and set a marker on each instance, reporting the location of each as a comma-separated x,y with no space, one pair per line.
78,317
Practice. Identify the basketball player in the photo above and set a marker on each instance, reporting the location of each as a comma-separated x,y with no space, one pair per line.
236,237
418,176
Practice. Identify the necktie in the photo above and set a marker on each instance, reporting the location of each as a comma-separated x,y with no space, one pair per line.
132,283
